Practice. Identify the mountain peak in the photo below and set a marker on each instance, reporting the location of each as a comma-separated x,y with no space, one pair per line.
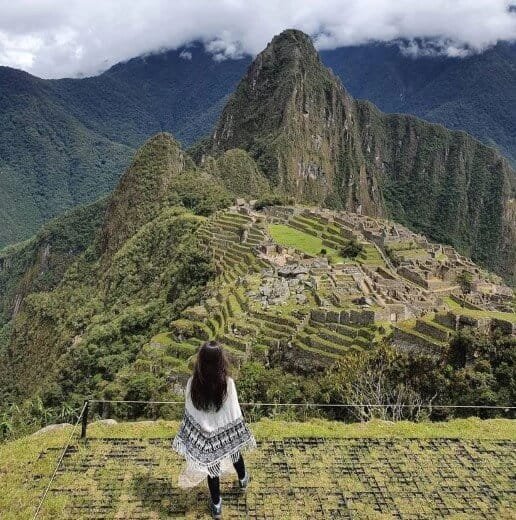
293,38
294,117
288,51
142,189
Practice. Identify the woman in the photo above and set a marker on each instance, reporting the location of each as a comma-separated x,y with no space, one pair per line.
213,431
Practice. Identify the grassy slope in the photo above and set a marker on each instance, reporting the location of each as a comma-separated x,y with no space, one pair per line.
475,94
290,237
20,459
50,160
39,263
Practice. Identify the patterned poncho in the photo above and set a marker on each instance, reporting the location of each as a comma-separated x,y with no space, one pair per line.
211,441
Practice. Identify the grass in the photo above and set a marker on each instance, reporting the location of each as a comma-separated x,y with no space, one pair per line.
290,237
137,476
454,306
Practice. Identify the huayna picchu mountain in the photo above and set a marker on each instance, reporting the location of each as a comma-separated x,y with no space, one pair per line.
316,143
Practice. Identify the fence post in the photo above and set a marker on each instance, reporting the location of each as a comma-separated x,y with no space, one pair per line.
85,411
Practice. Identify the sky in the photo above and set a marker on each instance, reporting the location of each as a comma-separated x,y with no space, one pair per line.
71,38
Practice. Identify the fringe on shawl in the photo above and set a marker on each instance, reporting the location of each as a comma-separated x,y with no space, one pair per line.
213,468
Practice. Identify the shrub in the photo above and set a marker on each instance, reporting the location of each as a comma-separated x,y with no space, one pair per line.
352,249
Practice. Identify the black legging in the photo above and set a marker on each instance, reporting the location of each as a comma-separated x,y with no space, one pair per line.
214,482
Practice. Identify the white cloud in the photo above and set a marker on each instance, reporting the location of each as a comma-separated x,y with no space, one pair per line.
52,38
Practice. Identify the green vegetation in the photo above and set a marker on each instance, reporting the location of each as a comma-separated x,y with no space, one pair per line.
123,323
452,91
269,117
50,159
66,141
39,264
465,281
290,237
26,466
352,249
115,303
240,174
473,369
86,316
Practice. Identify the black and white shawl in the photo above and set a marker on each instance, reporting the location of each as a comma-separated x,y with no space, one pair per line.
211,441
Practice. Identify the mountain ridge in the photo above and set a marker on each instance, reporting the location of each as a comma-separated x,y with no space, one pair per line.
125,105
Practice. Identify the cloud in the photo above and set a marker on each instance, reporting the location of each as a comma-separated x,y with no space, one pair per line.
52,38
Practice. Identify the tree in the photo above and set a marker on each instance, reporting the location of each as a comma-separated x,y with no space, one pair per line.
352,249
465,281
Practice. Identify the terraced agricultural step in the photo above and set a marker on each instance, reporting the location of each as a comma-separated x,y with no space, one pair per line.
233,217
345,330
321,343
213,326
334,337
181,349
433,329
331,244
310,223
301,227
246,327
275,334
236,342
304,345
254,242
337,240
410,338
281,320
234,308
241,299
268,340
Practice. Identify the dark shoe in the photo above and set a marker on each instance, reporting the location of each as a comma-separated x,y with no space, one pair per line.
216,510
245,481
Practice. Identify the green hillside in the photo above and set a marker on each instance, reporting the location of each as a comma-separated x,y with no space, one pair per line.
65,142
115,303
474,94
50,161
39,263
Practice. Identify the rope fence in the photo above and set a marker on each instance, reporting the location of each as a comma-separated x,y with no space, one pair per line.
305,406
60,460
327,405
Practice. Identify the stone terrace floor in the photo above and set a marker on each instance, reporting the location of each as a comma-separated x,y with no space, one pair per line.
297,478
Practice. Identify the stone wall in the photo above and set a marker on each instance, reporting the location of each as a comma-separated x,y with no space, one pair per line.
413,343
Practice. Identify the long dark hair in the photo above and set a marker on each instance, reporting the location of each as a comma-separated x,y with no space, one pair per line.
209,383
